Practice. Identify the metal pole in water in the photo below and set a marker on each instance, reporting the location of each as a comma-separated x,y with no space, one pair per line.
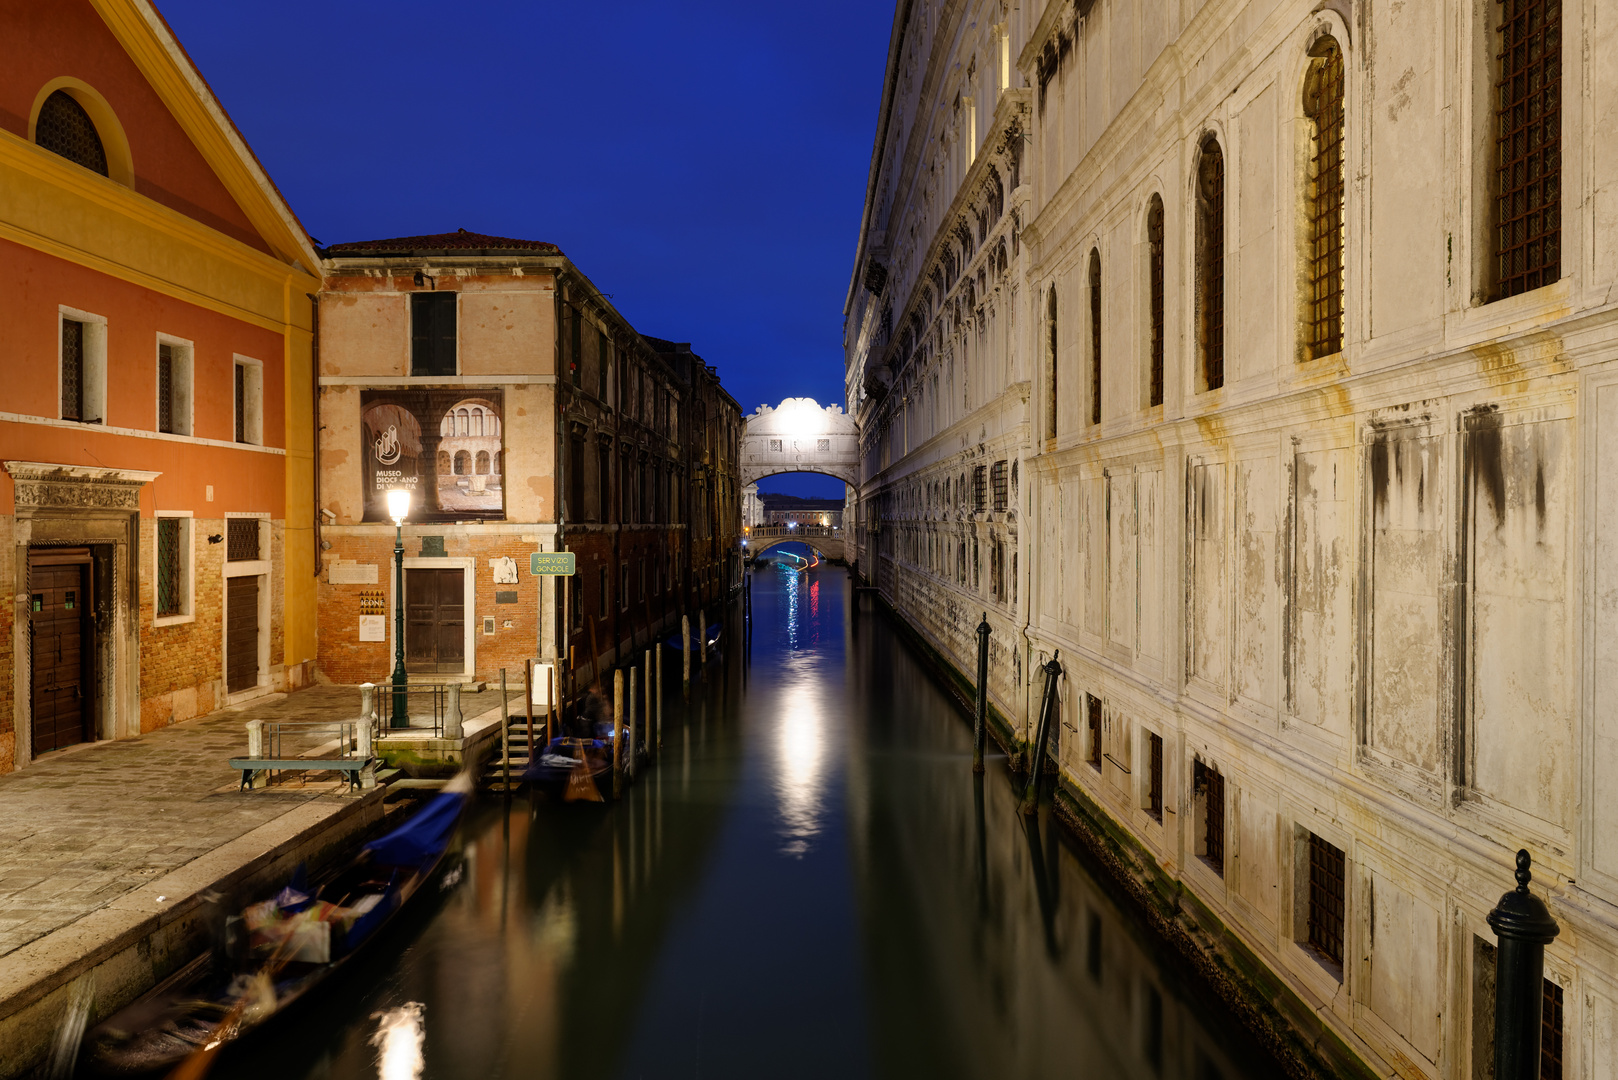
617,733
1524,926
1030,796
982,715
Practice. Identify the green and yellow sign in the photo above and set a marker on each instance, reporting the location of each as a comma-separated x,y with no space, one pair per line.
553,563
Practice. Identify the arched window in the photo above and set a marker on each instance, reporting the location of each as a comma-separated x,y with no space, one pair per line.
1095,336
482,465
464,416
1323,198
1154,300
65,128
1528,145
1211,263
463,463
1050,363
477,421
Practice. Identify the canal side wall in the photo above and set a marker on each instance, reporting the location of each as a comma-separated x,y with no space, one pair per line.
150,933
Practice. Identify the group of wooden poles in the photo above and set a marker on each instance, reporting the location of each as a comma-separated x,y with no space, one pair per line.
645,686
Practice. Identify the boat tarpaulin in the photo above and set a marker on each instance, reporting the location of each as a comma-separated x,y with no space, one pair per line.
420,840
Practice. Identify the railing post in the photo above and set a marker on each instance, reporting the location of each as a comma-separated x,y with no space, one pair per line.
1030,796
980,719
255,746
453,721
1524,926
368,702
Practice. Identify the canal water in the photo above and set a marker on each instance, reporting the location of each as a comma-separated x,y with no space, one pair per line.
809,883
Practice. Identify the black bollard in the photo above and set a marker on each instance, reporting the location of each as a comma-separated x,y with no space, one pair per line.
983,694
1524,926
1030,797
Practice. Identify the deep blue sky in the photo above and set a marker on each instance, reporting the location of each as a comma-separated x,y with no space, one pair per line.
704,161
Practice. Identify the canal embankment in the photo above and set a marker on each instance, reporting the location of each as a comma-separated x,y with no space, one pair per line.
127,855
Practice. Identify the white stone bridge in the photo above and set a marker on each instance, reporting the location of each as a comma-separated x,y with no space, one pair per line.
800,436
761,539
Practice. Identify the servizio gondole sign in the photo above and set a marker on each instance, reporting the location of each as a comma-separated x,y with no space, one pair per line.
552,563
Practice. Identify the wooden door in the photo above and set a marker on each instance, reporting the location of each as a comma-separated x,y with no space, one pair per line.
435,621
241,633
62,636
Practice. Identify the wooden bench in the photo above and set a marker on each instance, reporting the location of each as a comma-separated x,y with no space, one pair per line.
352,766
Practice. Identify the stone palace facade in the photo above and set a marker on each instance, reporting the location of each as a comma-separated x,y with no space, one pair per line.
1257,356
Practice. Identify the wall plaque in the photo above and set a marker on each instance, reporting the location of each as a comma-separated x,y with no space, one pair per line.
373,628
432,547
506,596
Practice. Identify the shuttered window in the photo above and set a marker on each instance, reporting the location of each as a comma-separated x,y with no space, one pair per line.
1529,145
432,333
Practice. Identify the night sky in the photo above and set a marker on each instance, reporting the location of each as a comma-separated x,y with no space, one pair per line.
703,161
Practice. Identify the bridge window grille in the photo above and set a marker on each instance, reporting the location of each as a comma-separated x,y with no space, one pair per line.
1095,336
168,566
1209,787
980,485
823,446
1211,272
64,128
241,540
1092,712
1154,273
1529,145
1326,894
1154,777
1323,104
999,485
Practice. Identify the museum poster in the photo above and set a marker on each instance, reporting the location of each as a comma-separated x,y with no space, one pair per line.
443,446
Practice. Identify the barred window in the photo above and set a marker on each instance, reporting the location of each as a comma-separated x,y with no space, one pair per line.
1154,776
72,370
1092,719
997,481
1323,105
1326,894
980,485
65,128
1095,336
1154,274
1211,268
165,388
1208,786
1550,1033
168,567
241,540
1528,145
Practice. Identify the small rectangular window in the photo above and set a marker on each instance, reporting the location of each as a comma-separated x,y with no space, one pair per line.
998,480
82,372
1154,777
823,446
173,575
174,388
1208,786
249,402
1550,1032
980,488
1092,716
242,540
432,333
1528,145
1211,271
1326,896
72,370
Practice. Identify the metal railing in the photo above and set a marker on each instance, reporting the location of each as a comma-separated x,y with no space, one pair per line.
773,531
376,703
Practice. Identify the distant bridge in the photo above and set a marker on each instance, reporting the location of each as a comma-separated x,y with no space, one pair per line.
761,539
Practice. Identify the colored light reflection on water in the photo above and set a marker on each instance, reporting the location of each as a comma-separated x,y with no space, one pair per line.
809,884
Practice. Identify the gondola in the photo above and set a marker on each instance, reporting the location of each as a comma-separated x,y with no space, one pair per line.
573,770
281,950
677,643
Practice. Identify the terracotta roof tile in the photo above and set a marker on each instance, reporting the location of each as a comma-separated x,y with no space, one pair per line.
459,242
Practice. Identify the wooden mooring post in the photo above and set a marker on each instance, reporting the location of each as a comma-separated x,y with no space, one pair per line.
685,653
617,733
630,758
702,639
660,700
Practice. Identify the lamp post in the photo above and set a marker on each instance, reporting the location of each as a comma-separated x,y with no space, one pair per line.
398,510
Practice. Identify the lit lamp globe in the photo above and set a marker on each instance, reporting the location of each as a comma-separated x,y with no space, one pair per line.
398,504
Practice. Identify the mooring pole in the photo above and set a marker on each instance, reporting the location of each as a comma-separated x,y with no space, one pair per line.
651,694
1030,795
980,720
553,715
685,653
617,733
659,699
1524,926
702,639
633,755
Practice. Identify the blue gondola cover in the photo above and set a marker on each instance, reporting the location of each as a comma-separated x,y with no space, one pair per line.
420,840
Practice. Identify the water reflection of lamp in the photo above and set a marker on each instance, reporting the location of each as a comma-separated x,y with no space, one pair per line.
398,510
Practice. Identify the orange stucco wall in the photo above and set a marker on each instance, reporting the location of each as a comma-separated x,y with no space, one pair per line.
32,287
67,37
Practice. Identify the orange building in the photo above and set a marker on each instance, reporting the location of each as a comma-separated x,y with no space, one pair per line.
156,390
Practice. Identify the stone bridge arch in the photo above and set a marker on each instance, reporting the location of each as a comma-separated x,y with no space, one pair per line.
828,542
800,436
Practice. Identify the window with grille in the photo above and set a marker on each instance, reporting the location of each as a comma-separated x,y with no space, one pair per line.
73,370
1550,1033
980,487
174,388
1092,717
998,483
1528,145
1326,893
432,333
241,540
1154,312
1211,271
1154,776
1209,787
165,388
1323,105
1095,336
64,128
170,599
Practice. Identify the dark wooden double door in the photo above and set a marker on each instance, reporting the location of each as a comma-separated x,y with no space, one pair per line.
435,621
63,639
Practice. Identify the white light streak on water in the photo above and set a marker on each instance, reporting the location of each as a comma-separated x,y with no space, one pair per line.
399,1036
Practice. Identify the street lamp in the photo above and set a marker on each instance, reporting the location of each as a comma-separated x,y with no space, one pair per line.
398,510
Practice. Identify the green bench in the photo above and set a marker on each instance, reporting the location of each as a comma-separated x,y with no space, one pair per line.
352,766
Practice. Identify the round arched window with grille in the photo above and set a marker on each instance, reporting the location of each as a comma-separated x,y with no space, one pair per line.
65,128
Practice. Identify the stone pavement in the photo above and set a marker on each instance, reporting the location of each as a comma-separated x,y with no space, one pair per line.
88,825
